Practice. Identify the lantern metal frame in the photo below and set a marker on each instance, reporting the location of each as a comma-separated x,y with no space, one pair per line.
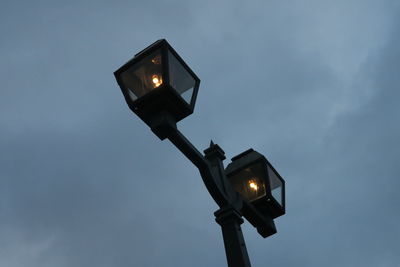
266,204
164,98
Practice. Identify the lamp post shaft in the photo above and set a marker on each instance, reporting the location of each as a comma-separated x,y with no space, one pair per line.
235,247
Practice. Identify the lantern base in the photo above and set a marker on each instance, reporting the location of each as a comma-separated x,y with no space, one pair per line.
162,124
163,100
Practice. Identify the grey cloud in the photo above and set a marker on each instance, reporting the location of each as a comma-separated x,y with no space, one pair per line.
83,182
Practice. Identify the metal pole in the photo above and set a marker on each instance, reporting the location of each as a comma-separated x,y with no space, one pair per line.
235,247
212,171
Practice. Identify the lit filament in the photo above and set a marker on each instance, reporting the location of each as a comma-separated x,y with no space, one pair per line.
157,81
156,60
253,185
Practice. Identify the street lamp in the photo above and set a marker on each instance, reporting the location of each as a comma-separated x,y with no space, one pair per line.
161,89
258,182
156,81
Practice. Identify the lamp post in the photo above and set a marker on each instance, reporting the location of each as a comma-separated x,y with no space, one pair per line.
161,89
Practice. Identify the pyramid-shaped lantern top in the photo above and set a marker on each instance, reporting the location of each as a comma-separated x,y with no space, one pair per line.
158,80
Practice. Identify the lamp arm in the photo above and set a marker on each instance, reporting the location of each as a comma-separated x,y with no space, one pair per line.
164,126
191,152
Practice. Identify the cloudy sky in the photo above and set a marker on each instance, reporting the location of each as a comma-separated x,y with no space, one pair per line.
313,85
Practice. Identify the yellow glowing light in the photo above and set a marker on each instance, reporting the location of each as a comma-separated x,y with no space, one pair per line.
157,81
156,60
253,185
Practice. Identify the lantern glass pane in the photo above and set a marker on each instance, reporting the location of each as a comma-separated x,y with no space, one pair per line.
144,76
180,79
276,186
249,182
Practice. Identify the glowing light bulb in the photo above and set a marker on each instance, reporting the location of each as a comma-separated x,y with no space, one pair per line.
157,81
156,60
253,185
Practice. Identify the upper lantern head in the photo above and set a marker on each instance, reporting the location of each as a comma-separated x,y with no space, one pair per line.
157,80
251,174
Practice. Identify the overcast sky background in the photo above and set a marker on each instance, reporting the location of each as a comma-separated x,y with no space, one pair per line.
313,85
